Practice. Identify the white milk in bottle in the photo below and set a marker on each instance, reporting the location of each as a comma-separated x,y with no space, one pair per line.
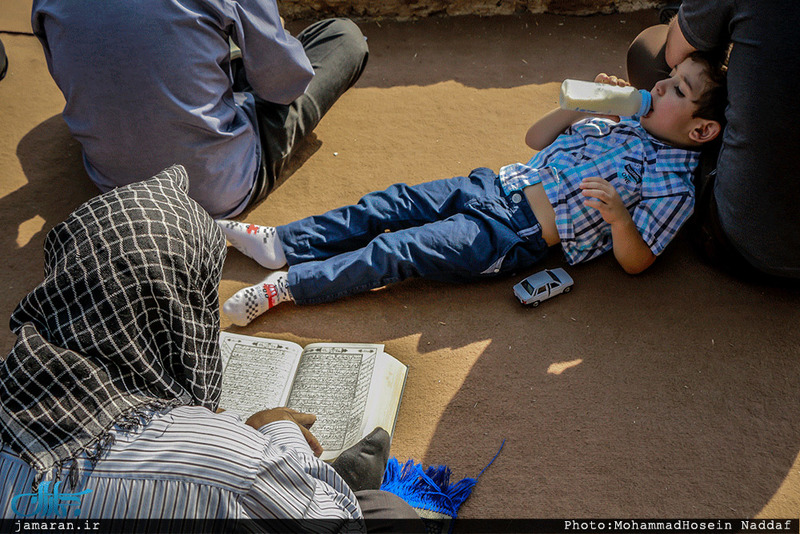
604,99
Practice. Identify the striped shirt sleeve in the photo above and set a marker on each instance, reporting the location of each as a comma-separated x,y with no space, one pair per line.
324,493
192,464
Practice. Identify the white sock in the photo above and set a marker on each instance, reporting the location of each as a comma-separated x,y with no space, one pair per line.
258,242
250,302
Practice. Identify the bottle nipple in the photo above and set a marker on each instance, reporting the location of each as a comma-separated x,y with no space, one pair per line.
646,105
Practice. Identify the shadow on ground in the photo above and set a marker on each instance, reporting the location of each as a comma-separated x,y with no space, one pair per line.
496,52
629,397
56,185
671,394
655,400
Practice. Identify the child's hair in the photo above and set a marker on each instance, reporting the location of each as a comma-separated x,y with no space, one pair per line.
712,103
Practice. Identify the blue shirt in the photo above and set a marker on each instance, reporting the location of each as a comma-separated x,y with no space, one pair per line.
653,179
194,464
147,84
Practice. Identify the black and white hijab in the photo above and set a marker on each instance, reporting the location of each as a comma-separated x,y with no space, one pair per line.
125,322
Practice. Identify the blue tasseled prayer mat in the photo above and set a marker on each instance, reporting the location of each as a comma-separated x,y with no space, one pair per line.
429,491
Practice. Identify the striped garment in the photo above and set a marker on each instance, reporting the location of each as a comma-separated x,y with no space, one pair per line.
108,395
653,179
126,321
192,463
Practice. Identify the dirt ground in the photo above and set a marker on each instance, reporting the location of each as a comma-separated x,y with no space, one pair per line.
670,394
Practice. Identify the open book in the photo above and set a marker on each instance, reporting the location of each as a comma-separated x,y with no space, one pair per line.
350,387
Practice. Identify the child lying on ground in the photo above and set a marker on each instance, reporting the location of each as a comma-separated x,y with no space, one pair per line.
603,184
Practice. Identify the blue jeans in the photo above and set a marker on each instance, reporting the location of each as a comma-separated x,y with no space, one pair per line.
459,229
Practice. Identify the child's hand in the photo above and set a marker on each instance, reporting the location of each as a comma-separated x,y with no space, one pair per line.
611,80
632,253
602,196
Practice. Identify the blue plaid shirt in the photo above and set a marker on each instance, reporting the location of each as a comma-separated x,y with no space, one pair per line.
653,179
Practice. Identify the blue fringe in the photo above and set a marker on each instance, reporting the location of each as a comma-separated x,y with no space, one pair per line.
429,489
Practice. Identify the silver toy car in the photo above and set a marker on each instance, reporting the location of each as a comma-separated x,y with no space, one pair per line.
543,285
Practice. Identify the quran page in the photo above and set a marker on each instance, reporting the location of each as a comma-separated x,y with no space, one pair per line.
257,372
351,388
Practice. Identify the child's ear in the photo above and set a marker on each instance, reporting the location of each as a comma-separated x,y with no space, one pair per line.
705,130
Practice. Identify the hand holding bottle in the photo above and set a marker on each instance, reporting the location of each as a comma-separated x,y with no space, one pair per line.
607,95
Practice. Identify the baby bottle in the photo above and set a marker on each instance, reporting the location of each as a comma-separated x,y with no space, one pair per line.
604,99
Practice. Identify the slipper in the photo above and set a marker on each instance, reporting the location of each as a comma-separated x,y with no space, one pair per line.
3,61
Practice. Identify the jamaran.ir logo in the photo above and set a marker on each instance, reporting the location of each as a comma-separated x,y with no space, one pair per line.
49,503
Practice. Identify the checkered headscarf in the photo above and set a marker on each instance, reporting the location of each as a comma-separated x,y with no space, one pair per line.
125,322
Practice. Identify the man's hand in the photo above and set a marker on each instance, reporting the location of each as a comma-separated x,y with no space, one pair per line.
303,420
602,196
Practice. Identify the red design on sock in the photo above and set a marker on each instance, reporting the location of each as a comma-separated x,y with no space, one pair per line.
251,229
271,292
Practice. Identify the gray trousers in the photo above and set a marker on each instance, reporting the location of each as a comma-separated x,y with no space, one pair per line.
386,512
338,53
3,61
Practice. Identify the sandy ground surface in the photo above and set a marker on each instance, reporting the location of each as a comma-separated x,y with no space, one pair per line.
671,394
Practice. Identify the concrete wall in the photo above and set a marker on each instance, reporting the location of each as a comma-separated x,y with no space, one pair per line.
411,9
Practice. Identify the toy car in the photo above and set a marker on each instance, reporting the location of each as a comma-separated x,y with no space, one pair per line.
543,285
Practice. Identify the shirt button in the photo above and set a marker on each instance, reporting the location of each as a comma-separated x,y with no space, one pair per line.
516,198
